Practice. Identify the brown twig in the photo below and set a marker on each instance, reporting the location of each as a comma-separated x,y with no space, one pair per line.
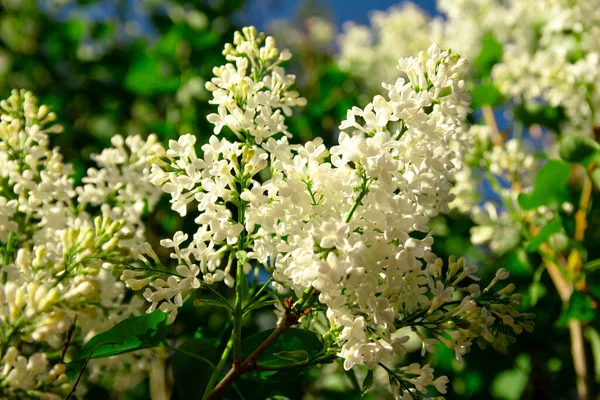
68,339
565,289
249,363
579,359
293,312
581,214
490,119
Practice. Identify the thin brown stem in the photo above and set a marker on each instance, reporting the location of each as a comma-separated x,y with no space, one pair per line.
581,214
565,289
490,119
249,363
579,361
68,339
555,271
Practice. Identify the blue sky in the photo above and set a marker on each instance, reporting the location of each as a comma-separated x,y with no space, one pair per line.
261,12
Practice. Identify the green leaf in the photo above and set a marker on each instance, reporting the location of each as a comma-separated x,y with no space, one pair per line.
578,149
550,186
517,263
204,40
261,304
472,383
133,333
211,302
544,234
293,342
537,289
579,308
210,297
485,94
509,385
151,75
592,265
536,114
76,29
490,54
593,338
295,356
595,175
167,45
368,382
241,256
194,361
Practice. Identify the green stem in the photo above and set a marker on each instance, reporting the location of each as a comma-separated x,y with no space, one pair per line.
238,312
240,281
213,291
352,376
11,331
159,271
217,371
259,292
364,189
249,363
314,361
189,354
6,255
306,296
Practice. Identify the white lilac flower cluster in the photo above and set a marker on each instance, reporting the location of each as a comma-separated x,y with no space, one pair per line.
509,169
549,57
349,223
315,33
56,255
371,53
549,51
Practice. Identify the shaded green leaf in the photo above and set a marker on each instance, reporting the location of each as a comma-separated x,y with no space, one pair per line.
536,114
204,40
592,265
595,175
367,382
490,54
550,186
211,302
151,75
517,263
295,356
210,297
293,342
133,333
578,149
537,289
579,308
261,304
509,385
485,94
194,361
593,338
544,234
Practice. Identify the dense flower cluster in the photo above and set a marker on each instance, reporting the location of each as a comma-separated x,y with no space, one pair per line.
551,57
57,256
549,54
372,53
548,57
349,223
510,169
